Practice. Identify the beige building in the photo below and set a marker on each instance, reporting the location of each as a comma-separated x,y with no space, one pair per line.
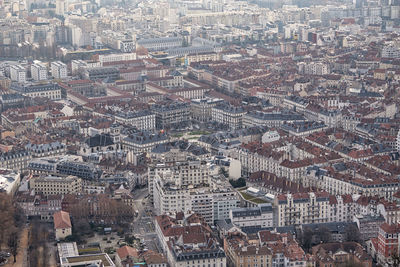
240,251
198,57
54,185
62,224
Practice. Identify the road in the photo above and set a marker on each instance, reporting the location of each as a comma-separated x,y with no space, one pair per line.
143,226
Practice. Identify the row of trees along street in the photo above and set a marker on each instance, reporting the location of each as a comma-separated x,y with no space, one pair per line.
11,223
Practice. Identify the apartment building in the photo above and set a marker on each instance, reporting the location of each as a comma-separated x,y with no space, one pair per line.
265,248
116,57
16,160
82,170
17,73
159,44
186,169
38,71
211,202
201,108
313,68
337,254
302,208
386,244
258,118
59,70
198,57
172,114
38,205
240,252
228,115
46,150
337,183
101,73
142,120
48,90
143,141
56,185
261,216
188,242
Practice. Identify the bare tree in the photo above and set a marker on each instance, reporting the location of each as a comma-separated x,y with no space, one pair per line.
13,244
6,216
352,233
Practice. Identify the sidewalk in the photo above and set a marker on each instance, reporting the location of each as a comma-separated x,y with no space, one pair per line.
22,255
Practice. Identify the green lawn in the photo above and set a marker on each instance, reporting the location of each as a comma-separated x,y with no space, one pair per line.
249,197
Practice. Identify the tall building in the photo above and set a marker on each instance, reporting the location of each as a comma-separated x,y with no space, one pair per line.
38,71
181,184
303,208
58,70
228,115
18,73
386,244
61,7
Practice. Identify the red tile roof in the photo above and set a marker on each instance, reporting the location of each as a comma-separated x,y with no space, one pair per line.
127,251
62,220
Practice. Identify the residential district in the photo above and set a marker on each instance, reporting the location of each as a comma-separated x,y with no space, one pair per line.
204,133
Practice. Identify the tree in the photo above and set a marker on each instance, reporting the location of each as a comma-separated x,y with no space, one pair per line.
223,172
82,226
306,238
352,233
241,182
394,260
324,234
13,243
6,216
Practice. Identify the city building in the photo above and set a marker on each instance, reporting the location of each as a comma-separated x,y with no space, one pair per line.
62,225
261,216
188,242
142,120
335,254
228,115
69,256
386,244
51,91
38,71
54,185
171,115
9,181
302,208
101,73
159,44
59,70
16,160
143,141
18,73
201,108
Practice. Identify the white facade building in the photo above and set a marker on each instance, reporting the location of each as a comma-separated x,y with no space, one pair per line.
58,70
39,71
211,202
116,57
18,73
255,216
